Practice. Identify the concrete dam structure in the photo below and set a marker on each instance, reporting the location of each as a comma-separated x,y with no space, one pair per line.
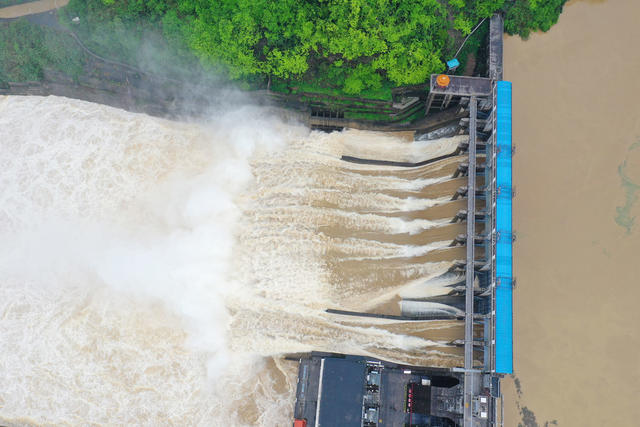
351,390
182,261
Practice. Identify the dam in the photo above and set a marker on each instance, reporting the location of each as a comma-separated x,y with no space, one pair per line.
159,272
346,390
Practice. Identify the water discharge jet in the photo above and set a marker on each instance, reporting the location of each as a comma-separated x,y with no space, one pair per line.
149,266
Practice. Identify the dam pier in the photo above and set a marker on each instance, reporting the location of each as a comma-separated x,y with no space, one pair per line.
350,390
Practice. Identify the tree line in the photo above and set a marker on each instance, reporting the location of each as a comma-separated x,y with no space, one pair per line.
350,45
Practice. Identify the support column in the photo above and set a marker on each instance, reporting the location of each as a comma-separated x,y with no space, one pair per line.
429,102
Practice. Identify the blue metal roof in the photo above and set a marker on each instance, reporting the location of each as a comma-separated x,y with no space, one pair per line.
504,250
343,382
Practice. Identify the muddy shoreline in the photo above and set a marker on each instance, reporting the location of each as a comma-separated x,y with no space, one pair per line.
124,88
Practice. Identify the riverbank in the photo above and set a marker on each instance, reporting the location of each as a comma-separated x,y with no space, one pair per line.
41,57
145,42
38,56
576,128
43,54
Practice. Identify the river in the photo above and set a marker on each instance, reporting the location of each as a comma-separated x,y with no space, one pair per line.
577,255
155,272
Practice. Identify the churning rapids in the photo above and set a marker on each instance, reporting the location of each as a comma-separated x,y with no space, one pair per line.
155,272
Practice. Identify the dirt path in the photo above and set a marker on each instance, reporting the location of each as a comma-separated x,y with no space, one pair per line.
577,174
31,8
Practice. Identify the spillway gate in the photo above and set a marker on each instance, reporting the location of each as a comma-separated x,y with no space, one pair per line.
472,397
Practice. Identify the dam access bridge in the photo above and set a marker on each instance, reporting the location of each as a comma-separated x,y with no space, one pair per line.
342,390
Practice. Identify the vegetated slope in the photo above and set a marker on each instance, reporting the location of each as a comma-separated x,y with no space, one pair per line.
357,47
26,50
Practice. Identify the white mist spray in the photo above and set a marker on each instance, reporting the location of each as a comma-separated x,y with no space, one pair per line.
151,271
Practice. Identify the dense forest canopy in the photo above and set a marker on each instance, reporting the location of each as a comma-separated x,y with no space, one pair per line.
351,45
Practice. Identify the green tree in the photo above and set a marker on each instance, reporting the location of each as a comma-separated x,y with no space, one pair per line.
524,16
347,45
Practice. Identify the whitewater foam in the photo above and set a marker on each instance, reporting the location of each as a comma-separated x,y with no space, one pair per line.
154,272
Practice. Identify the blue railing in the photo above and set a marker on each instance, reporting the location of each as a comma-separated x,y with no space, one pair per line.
504,250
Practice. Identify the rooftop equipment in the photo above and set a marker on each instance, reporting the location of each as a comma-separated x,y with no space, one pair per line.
452,64
443,80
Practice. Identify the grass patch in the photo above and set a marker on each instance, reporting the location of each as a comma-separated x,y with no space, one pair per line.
366,116
26,50
138,42
282,86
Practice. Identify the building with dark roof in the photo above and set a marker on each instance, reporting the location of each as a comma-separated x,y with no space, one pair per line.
356,391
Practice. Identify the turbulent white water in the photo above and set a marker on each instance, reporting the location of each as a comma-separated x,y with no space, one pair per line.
152,272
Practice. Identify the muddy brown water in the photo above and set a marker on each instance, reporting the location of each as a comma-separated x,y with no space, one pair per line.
576,97
208,253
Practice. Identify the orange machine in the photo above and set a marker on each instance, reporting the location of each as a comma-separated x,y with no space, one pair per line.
443,80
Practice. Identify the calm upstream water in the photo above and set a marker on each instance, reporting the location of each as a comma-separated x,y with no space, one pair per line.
156,272
576,93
